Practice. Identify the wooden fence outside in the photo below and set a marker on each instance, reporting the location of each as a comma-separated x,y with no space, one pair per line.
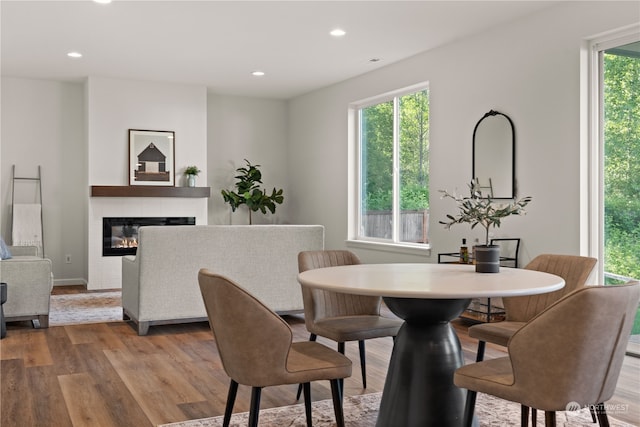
414,225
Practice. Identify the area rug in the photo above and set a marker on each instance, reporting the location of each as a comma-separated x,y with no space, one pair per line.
86,307
362,411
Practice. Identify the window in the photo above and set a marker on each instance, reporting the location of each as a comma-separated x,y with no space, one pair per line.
393,178
615,168
621,130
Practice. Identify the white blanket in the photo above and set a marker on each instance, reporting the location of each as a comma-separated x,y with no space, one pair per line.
27,225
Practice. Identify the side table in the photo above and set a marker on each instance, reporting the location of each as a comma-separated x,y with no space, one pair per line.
3,299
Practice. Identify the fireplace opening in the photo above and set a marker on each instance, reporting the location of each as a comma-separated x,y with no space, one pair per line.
120,235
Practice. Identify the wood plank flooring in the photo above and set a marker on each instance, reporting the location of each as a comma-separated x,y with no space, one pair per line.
104,374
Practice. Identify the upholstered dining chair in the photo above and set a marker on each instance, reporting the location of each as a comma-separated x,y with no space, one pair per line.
342,317
567,357
256,348
575,271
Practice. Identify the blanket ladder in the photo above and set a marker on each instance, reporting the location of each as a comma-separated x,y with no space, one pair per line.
38,183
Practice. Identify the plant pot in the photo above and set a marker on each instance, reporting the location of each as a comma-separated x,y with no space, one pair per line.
487,258
191,180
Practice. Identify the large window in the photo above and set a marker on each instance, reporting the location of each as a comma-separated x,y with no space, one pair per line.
621,118
616,171
393,136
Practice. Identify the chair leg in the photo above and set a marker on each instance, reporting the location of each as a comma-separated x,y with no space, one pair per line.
480,351
534,417
550,418
312,337
592,411
341,351
469,408
601,412
231,398
524,416
363,363
336,394
307,403
254,410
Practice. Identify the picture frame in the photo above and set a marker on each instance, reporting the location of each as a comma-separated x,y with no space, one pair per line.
151,157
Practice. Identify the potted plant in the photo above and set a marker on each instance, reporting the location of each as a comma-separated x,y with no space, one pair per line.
191,172
478,209
249,193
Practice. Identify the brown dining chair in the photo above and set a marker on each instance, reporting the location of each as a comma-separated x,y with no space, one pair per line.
256,348
566,358
342,317
575,271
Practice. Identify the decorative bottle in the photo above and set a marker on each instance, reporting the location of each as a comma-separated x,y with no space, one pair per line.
464,252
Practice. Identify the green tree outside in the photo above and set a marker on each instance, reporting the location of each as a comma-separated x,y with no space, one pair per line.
622,169
377,131
414,151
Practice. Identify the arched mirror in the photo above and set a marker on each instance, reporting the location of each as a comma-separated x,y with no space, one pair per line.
494,145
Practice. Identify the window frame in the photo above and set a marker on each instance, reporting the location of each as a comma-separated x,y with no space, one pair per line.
592,224
355,239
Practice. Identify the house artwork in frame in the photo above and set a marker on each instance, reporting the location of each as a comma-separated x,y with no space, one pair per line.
151,157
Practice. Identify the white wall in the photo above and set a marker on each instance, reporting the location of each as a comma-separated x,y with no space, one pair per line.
529,70
115,106
43,124
247,128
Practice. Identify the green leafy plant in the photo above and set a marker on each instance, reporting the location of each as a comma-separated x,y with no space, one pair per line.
478,209
192,170
249,193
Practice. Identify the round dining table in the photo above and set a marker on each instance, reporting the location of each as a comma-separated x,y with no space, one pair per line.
419,389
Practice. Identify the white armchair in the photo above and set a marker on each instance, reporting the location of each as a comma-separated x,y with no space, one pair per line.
29,280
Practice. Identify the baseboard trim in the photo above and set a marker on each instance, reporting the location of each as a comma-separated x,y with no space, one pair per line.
67,282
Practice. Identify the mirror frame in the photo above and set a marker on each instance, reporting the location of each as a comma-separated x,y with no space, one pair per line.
492,113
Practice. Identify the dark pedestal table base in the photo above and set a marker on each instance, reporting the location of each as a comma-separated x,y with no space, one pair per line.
419,389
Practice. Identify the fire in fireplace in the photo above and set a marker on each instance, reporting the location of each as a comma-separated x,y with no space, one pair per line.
120,235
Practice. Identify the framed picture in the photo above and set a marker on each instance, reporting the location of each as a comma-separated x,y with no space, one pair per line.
151,157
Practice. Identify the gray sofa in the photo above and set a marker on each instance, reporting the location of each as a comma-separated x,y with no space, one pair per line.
160,283
29,280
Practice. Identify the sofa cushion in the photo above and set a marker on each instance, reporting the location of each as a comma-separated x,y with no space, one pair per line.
5,253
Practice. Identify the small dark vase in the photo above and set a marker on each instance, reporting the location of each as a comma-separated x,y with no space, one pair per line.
487,258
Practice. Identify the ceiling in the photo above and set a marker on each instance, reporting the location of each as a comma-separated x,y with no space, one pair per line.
219,43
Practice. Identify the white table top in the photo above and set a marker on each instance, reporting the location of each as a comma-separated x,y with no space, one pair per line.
438,281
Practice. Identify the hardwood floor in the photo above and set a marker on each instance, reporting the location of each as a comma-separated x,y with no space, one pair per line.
106,375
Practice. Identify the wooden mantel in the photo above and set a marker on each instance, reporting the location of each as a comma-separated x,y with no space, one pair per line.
148,191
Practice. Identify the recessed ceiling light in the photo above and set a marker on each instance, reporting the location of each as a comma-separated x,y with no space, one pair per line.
102,1
74,55
338,32
257,73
